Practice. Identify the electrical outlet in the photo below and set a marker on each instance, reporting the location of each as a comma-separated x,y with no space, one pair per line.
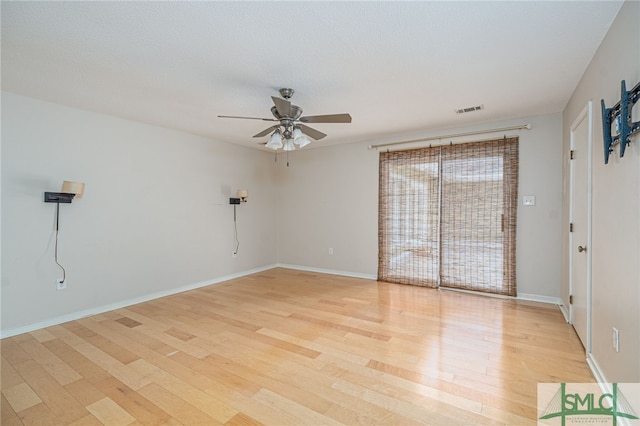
330,250
234,254
616,339
60,284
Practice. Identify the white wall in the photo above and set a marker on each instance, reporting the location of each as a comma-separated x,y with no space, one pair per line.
155,216
328,197
616,203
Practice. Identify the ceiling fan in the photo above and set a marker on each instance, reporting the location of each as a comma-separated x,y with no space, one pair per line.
290,131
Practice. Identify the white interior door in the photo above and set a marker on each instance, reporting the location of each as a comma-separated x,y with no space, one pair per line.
580,237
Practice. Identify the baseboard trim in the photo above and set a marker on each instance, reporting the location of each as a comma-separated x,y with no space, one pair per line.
328,271
540,298
598,374
565,313
124,303
606,387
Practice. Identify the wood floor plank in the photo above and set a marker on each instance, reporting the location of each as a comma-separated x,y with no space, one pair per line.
8,375
242,419
88,420
110,413
157,330
61,403
181,389
84,391
42,415
286,347
184,412
56,367
316,345
507,417
84,366
297,392
133,402
320,378
109,347
136,339
301,413
262,413
21,397
353,416
393,404
221,371
12,352
8,416
122,372
397,388
42,335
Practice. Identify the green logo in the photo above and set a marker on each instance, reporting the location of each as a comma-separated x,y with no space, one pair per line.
565,404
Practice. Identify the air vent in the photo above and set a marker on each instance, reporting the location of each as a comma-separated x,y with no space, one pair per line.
469,109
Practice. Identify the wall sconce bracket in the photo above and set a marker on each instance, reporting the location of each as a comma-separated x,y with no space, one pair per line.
58,197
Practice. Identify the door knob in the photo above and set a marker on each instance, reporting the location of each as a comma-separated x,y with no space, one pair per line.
581,249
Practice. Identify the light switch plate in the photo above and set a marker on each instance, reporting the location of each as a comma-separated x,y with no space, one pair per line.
529,200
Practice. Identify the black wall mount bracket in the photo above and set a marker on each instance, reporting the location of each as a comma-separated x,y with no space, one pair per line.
58,197
620,114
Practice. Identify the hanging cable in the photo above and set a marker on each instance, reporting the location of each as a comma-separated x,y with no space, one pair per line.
235,229
55,250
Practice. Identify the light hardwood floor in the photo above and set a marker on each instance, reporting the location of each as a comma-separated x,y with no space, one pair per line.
286,347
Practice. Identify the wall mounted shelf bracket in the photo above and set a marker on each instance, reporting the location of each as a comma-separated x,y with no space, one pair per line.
621,114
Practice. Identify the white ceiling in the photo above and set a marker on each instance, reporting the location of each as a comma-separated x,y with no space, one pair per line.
399,68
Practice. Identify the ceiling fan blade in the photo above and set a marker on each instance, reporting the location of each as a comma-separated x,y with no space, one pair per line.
313,133
265,132
330,118
247,118
283,106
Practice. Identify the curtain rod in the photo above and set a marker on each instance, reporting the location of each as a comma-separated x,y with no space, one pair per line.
455,135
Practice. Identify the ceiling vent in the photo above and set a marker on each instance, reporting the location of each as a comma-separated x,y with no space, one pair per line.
469,109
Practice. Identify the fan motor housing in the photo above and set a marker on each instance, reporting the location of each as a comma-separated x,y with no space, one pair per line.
295,112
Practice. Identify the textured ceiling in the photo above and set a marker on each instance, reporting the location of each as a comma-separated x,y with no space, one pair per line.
400,68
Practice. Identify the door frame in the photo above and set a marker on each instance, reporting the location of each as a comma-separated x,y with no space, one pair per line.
586,113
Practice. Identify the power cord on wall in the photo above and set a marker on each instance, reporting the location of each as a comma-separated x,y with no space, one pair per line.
235,228
235,202
55,250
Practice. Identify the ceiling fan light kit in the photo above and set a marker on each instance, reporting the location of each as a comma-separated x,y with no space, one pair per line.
300,138
275,141
288,145
290,132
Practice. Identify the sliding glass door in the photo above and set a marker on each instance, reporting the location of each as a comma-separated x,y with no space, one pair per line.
447,216
409,214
